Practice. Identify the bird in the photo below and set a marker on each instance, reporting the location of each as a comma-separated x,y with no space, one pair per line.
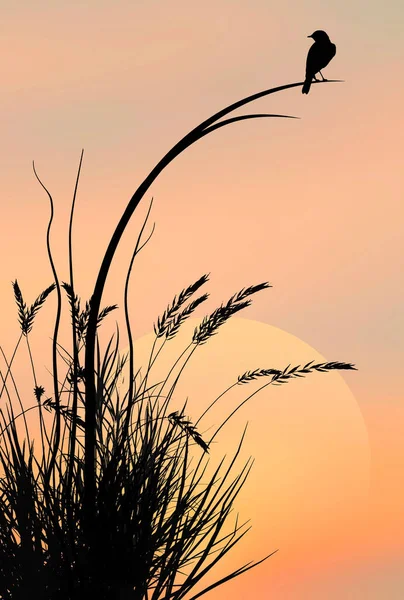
318,57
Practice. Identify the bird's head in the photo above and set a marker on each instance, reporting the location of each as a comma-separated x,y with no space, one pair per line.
319,36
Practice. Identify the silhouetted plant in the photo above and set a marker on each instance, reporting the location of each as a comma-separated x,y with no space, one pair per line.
123,515
155,516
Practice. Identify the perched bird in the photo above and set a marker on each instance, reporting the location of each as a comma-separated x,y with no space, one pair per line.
318,57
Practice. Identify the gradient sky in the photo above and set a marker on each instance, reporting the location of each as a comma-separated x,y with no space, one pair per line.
314,206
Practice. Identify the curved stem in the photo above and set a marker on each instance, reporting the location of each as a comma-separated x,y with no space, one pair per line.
136,251
73,431
56,331
90,408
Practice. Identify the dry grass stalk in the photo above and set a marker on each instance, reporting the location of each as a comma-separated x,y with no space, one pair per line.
187,426
27,315
218,317
164,323
81,316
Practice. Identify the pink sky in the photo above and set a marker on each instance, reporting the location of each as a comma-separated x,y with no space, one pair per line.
312,205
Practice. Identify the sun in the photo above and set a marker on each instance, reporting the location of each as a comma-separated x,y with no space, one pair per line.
310,479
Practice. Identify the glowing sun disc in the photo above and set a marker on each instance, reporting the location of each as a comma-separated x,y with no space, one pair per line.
310,478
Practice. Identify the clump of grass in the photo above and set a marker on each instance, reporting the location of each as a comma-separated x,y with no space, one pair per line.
124,515
161,525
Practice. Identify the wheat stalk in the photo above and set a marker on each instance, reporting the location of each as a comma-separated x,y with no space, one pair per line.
187,426
210,324
81,316
251,375
164,322
288,373
26,315
176,322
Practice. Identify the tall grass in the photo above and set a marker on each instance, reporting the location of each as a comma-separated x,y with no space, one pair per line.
126,514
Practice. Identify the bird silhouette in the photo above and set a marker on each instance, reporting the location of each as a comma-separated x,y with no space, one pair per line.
318,57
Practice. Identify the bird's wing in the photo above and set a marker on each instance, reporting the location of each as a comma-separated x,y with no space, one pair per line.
328,54
318,57
312,60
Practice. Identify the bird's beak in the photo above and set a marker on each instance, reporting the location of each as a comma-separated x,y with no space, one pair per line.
310,36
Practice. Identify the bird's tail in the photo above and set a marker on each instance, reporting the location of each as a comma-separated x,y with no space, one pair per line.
307,85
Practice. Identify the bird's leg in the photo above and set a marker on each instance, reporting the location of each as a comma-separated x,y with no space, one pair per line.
315,78
322,76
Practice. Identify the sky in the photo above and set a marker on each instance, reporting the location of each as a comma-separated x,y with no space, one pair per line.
314,206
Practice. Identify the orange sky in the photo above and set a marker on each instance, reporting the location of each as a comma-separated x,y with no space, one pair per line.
312,205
